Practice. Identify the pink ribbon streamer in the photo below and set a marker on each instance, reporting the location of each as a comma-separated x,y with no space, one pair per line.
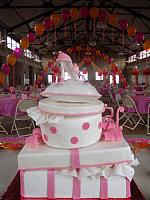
76,189
128,191
103,188
51,184
75,158
22,183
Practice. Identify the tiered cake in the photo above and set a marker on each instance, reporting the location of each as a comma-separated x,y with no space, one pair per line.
74,154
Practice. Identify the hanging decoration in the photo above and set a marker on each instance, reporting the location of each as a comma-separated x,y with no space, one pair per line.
31,37
39,29
5,69
65,15
123,24
24,43
55,19
84,12
102,19
17,52
112,20
11,59
47,24
2,78
139,37
94,12
74,14
131,30
146,45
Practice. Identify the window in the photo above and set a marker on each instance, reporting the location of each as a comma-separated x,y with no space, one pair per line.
97,77
83,76
49,78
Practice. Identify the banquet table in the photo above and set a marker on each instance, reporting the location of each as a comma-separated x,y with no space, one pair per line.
8,105
141,102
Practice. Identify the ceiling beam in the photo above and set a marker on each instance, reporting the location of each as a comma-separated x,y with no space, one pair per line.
40,15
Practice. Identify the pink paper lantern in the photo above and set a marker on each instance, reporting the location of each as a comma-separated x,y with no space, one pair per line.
123,24
47,24
31,37
17,52
6,69
139,37
65,15
102,16
84,12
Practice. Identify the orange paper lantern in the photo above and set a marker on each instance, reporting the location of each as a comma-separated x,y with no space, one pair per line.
39,29
11,59
97,52
2,78
74,13
69,50
46,69
131,30
112,19
78,48
24,43
146,45
94,12
39,77
55,19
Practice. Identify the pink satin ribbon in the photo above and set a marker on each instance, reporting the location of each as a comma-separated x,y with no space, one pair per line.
103,187
76,189
22,183
75,158
51,184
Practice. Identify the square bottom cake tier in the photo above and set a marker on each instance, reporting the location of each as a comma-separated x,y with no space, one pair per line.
100,171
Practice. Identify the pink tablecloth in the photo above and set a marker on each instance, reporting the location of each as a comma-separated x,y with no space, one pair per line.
8,106
141,102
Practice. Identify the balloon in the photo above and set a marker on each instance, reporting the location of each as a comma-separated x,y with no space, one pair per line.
2,78
6,69
94,12
17,52
65,15
113,65
55,19
74,13
139,37
24,43
114,70
39,29
47,24
131,30
112,19
84,12
102,16
105,72
31,37
123,24
146,45
39,78
11,59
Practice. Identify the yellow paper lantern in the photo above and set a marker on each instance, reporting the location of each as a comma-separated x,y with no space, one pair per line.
24,43
11,59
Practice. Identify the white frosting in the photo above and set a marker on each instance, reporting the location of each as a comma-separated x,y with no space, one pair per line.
35,185
72,91
71,109
101,153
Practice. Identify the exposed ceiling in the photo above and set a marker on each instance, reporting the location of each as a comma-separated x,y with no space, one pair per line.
17,18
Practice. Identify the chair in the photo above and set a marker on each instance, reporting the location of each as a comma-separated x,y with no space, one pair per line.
148,120
22,106
2,129
132,114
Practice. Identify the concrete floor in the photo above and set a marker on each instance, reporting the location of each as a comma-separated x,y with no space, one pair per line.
8,169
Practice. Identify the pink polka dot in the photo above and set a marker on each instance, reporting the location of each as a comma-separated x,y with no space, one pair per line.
45,137
100,125
85,126
53,129
74,140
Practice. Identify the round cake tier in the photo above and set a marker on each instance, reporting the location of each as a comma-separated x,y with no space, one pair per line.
71,91
71,109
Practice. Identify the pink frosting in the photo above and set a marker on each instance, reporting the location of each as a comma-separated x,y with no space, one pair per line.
63,56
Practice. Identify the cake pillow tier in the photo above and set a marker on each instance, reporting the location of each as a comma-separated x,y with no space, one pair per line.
71,91
69,125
